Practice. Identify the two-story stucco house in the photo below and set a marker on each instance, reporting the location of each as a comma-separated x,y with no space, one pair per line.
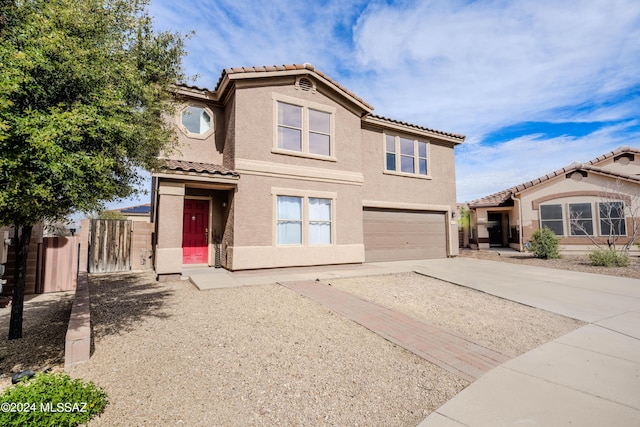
282,166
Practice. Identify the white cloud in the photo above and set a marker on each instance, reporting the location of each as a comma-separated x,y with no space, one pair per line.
470,67
482,170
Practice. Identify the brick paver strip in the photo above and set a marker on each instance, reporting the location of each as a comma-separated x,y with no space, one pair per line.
456,354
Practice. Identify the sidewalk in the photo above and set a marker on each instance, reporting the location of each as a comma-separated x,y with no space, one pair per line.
589,377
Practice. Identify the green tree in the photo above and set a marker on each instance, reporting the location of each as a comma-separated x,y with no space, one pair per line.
84,85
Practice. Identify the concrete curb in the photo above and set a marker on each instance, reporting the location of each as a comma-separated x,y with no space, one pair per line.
77,348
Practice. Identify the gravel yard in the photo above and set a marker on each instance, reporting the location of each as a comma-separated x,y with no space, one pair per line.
168,354
499,324
566,262
44,328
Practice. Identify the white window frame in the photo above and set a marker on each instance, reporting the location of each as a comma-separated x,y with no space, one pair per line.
280,221
561,220
305,196
398,156
592,218
306,106
623,218
186,131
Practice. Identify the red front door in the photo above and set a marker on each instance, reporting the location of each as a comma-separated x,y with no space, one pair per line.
194,231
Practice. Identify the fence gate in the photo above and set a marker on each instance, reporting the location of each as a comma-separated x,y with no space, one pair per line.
109,245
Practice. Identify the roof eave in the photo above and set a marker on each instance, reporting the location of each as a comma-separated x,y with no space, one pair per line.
228,78
389,124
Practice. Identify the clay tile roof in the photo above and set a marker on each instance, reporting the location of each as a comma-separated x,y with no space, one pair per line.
184,166
502,197
289,67
453,135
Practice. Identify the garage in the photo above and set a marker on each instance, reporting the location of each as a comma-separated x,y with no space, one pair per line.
394,235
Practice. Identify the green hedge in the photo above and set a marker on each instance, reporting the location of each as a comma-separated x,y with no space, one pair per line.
609,258
51,399
544,243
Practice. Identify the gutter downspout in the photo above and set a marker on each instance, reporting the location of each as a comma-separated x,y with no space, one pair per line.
520,221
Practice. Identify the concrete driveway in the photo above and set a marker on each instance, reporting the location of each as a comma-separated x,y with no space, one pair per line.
589,377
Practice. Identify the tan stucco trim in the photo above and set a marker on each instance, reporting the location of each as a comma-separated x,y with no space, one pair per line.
194,176
249,257
168,260
385,124
535,204
229,78
262,168
171,189
408,206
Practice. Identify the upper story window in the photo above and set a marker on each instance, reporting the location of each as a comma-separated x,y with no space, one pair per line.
196,121
407,156
303,128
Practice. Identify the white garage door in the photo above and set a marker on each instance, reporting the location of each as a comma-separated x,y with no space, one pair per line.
394,235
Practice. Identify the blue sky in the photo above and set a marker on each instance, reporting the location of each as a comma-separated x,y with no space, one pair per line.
534,85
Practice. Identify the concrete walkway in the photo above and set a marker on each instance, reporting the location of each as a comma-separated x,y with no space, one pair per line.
589,377
455,354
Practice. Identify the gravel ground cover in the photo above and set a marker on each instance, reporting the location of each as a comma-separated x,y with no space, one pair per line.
500,324
169,354
567,262
44,327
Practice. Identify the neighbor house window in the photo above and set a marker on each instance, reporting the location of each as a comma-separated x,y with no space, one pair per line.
196,120
405,155
581,219
551,217
612,218
289,213
304,129
319,221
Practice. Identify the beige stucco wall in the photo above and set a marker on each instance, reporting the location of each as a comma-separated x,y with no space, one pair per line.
255,127
168,257
562,190
437,192
246,129
254,207
206,148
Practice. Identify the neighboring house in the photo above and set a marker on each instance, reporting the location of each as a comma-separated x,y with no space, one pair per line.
135,213
282,166
594,200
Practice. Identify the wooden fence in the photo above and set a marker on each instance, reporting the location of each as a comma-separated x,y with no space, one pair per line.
109,245
58,266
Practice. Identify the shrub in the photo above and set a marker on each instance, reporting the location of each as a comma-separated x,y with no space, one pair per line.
544,243
51,399
609,258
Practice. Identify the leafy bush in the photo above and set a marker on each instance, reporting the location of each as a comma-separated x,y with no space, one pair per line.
544,243
609,258
51,400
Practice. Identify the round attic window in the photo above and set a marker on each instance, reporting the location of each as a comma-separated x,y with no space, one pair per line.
196,120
